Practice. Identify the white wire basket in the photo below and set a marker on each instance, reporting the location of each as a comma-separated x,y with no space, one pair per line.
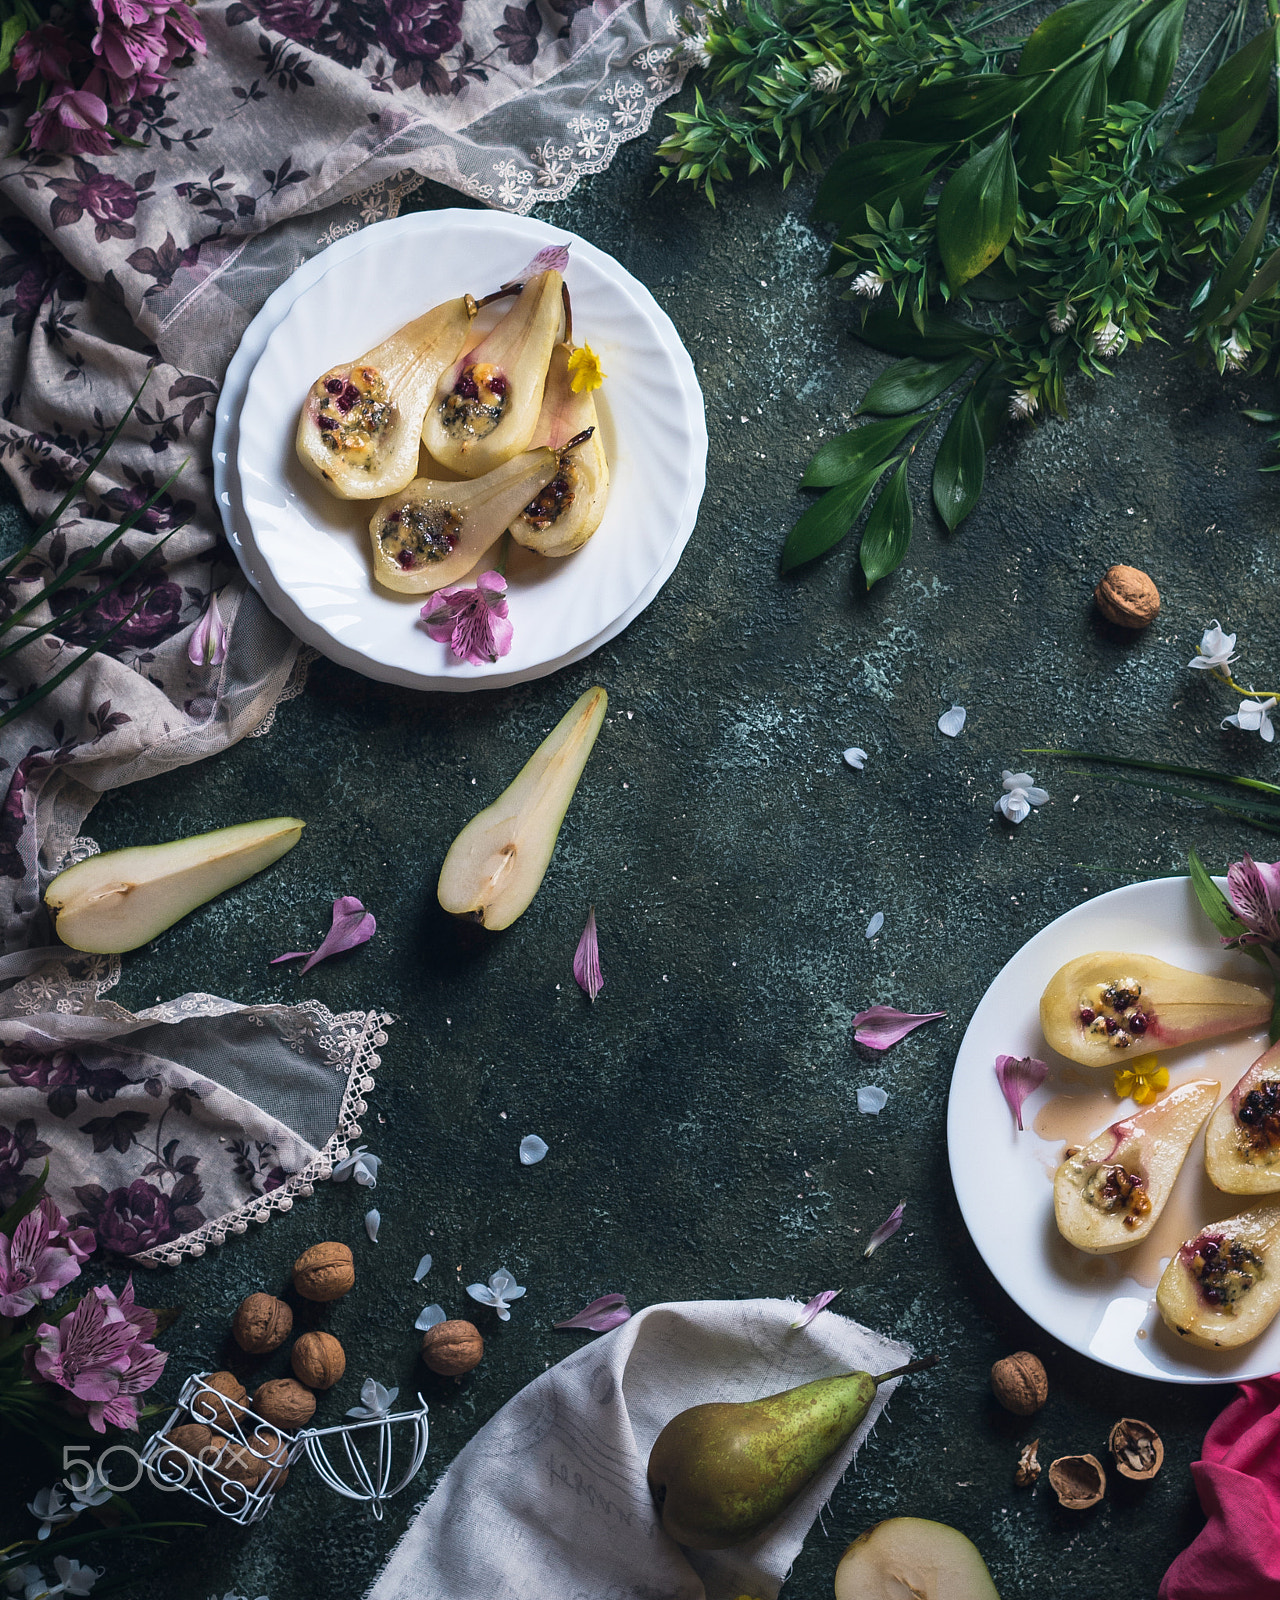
241,1477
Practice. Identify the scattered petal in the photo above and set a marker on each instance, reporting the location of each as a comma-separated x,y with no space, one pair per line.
586,959
1216,650
872,1101
500,1290
609,1311
1019,1077
372,1222
359,1165
887,1228
208,646
429,1317
881,1026
377,1401
352,926
875,925
820,1302
532,1149
951,722
856,757
424,1266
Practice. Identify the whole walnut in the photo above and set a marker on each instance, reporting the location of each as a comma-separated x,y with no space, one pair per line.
1127,597
232,1471
325,1272
452,1348
318,1360
262,1324
268,1444
213,1408
189,1439
1020,1384
284,1402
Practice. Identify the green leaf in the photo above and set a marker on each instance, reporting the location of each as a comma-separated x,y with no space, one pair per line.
13,29
1053,124
961,108
1229,105
1232,275
1146,67
823,526
887,535
1263,282
977,210
1207,192
1070,29
852,453
933,337
1213,902
959,466
868,172
26,1202
909,384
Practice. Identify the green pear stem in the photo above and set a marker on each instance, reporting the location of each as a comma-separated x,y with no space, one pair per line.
922,1365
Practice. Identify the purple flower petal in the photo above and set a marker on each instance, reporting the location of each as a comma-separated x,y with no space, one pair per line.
208,646
887,1228
820,1302
882,1026
555,258
352,925
1019,1077
609,1311
586,959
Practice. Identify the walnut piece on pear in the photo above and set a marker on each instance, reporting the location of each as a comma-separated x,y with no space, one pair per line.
1078,1481
285,1403
318,1360
452,1348
222,1408
1137,1449
1020,1383
262,1324
1127,597
325,1272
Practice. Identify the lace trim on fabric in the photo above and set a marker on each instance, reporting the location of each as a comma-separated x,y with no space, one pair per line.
294,685
350,1043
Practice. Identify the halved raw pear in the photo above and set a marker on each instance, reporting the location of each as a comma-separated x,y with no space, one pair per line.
486,405
120,900
1109,1006
1222,1289
907,1558
1242,1141
496,864
433,533
568,511
1109,1196
361,423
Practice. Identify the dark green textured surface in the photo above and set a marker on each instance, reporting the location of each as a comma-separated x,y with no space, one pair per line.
701,1117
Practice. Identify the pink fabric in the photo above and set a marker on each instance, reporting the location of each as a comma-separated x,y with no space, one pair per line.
1236,1556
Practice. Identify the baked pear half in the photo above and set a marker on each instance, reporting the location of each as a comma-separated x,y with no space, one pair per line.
1222,1289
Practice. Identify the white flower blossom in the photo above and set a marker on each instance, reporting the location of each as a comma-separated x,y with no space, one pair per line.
1217,649
1023,405
1253,717
1061,317
952,722
76,1577
501,1289
361,1166
695,52
825,79
870,285
27,1581
377,1401
50,1506
856,757
1235,355
1020,794
1109,339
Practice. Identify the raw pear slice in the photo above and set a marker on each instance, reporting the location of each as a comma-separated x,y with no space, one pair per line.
1222,1289
431,533
486,405
1109,1195
1109,1006
496,864
361,422
568,511
908,1558
122,899
1242,1141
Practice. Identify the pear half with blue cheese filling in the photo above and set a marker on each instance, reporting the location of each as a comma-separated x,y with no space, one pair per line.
1242,1141
1109,1196
1222,1289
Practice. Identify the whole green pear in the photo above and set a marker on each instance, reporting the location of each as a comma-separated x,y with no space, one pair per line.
720,1473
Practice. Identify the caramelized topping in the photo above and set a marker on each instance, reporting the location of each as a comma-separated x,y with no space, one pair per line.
1112,1188
551,504
353,413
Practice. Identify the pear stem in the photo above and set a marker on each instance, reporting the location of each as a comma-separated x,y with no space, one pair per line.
568,313
507,290
922,1365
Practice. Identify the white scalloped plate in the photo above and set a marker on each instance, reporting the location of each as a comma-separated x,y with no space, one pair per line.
307,552
1003,1178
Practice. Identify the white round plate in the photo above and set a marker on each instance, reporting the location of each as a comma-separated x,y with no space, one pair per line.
307,552
1004,1179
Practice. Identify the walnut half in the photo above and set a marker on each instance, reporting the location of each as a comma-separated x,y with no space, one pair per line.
1137,1449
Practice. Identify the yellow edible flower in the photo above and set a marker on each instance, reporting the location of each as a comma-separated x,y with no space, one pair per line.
1142,1083
585,373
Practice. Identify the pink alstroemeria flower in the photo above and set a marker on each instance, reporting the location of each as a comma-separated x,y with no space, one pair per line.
609,1311
881,1026
41,1258
352,925
99,1353
1253,888
208,647
43,52
72,120
472,622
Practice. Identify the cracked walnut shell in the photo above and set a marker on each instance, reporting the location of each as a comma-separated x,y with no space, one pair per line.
1020,1383
1138,1451
1127,597
285,1403
325,1272
1078,1481
318,1360
452,1348
262,1324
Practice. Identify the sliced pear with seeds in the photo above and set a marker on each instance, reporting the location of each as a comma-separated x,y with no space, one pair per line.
1242,1141
569,510
497,863
1106,1008
1222,1289
907,1558
1109,1196
124,898
361,422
